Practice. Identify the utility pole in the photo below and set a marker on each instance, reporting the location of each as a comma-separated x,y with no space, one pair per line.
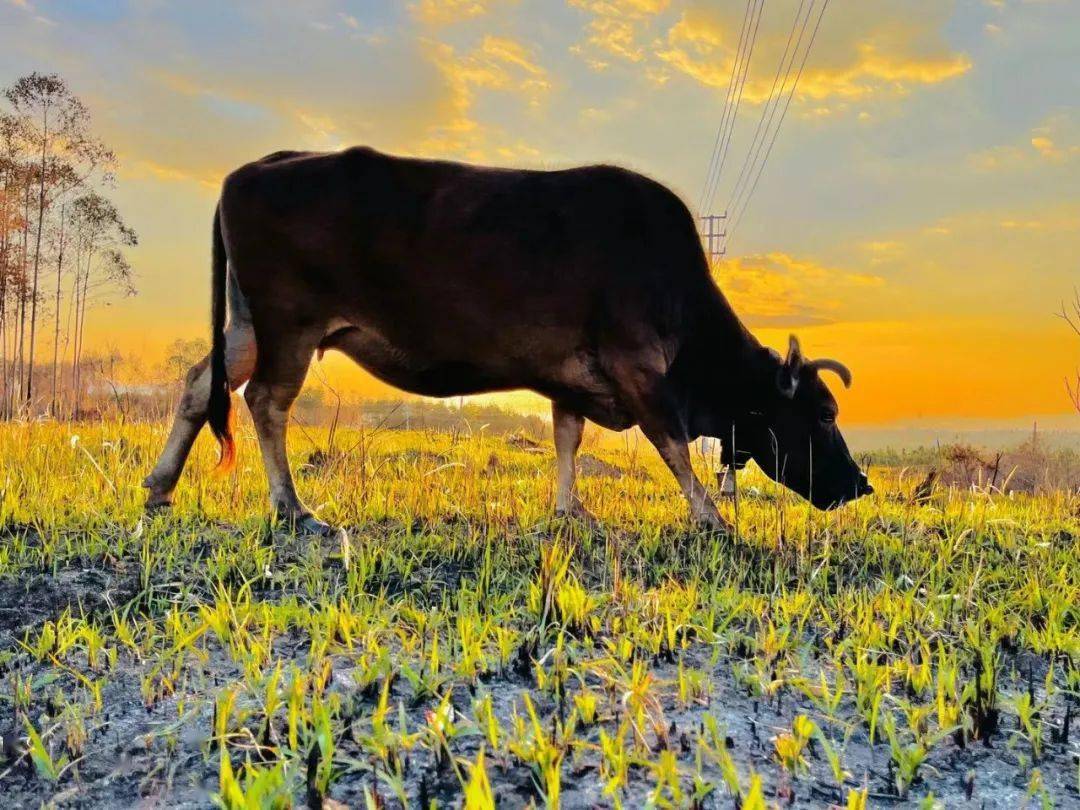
713,232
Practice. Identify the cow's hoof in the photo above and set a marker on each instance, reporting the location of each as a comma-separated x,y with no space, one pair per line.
157,497
157,502
311,526
710,520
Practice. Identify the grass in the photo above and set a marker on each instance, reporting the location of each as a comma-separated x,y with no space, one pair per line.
470,649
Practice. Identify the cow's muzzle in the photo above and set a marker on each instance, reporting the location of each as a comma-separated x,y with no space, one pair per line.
863,487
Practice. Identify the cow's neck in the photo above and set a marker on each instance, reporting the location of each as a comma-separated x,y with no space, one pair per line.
720,371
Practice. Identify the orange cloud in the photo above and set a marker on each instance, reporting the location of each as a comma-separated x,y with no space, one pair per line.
616,28
875,72
1057,140
1004,261
444,12
318,124
497,64
1044,146
142,169
776,289
703,47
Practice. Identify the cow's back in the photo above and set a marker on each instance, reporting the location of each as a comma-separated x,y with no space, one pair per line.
515,269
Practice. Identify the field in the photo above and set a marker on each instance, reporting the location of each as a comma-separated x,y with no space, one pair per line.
470,649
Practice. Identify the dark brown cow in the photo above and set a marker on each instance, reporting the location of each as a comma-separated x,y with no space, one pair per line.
587,285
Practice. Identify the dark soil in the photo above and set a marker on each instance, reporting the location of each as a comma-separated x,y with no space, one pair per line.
143,756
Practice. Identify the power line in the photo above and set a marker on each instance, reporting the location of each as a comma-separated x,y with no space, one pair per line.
738,101
727,104
756,15
768,110
754,155
783,114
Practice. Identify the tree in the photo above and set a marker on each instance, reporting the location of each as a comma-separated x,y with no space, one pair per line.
11,172
1070,313
55,125
182,355
59,245
101,270
49,159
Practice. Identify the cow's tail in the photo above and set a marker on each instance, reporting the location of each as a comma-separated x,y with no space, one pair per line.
219,413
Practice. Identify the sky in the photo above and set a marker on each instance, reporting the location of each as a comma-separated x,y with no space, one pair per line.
918,217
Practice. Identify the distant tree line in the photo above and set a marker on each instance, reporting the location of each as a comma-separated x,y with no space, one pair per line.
62,245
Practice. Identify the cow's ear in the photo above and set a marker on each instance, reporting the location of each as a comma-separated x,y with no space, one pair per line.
787,376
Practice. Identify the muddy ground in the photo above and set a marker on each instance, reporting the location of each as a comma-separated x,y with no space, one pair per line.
145,757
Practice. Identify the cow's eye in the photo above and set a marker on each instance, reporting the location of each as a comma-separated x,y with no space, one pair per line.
828,416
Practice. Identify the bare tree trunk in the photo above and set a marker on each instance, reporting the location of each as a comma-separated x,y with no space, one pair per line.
22,283
73,299
80,329
37,249
4,240
4,396
73,332
3,347
20,344
3,353
56,330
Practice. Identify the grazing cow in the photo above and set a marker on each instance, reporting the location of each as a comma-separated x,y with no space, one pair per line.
586,285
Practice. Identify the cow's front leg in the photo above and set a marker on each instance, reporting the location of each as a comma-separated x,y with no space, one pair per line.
568,429
646,391
676,454
279,375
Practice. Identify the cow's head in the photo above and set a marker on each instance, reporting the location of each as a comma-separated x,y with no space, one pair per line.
792,433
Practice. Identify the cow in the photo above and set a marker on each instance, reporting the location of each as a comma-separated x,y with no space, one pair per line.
588,286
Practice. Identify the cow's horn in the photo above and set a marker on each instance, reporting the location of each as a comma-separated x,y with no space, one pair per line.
794,354
836,366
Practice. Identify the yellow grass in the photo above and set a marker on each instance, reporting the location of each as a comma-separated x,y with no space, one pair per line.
472,644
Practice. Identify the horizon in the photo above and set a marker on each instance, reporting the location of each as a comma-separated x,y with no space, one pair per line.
919,217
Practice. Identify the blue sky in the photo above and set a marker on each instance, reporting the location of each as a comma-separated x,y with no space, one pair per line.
919,215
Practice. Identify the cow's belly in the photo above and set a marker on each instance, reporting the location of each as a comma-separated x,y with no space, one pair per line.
405,370
572,382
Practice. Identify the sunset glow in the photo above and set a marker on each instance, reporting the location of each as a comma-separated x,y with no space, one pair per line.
919,216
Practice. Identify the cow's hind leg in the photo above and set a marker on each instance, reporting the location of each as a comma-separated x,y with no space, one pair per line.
192,411
274,385
568,429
